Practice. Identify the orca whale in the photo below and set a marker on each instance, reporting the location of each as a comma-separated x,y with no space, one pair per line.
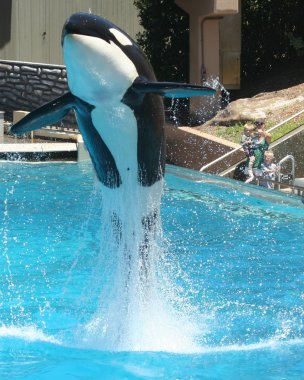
117,101
119,109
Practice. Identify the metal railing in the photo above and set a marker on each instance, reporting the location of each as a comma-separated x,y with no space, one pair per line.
240,147
290,158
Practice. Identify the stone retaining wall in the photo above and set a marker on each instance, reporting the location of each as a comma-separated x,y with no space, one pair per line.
294,146
26,86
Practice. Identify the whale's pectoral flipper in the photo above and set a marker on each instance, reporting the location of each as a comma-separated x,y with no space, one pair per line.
101,156
53,112
48,114
171,89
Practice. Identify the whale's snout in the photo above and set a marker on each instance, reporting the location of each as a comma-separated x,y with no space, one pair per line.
86,24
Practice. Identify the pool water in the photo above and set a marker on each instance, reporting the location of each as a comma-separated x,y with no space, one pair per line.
232,270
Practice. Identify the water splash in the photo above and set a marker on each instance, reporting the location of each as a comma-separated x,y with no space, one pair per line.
210,106
27,333
177,111
140,307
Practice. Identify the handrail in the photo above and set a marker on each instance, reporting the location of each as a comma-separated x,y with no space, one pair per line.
287,158
272,145
240,147
284,184
220,158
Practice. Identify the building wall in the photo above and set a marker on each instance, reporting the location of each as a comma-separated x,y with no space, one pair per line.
30,30
230,51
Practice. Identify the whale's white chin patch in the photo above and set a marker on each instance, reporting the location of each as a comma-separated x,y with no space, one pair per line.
97,70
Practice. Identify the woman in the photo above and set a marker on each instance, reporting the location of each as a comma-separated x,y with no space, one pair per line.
262,143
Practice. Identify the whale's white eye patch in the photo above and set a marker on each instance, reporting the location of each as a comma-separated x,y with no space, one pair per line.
122,38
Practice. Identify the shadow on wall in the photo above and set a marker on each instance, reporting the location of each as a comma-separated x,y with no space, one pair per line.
5,22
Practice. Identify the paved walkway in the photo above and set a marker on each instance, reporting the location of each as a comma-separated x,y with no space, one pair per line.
9,144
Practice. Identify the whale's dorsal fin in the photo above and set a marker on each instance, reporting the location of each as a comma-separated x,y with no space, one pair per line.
171,89
48,114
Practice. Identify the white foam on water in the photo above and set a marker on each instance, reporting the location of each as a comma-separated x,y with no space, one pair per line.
271,344
27,333
139,306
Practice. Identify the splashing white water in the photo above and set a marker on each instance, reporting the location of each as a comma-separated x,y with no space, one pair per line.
27,333
139,306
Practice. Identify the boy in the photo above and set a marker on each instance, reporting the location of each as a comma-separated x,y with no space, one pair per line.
269,170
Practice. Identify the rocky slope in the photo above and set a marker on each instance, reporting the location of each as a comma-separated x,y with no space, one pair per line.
272,97
270,106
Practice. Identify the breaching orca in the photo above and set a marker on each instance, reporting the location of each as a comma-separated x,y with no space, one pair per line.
117,101
119,109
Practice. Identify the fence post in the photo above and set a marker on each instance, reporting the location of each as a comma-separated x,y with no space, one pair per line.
1,123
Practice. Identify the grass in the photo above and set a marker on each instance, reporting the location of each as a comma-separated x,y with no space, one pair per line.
284,129
234,132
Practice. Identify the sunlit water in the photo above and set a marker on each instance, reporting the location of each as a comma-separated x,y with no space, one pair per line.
223,296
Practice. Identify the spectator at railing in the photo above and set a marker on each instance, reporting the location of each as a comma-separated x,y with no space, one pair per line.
263,139
269,170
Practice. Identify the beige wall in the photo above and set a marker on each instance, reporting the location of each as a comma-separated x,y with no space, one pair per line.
215,50
230,51
30,30
215,40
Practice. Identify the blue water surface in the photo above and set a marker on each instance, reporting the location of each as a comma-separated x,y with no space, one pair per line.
237,253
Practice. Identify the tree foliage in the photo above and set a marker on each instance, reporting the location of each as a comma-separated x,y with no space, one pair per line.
165,38
272,33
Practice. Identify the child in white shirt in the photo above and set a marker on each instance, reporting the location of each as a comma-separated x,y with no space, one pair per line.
269,170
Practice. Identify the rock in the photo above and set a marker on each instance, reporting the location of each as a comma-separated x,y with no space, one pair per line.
29,69
262,106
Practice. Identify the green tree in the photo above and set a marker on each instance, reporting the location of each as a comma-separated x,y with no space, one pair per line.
272,33
165,38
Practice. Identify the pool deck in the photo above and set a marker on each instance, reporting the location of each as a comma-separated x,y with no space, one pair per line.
10,146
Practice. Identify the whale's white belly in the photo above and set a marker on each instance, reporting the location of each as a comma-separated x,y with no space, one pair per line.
117,127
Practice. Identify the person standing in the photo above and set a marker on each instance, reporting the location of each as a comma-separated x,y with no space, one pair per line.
269,170
262,144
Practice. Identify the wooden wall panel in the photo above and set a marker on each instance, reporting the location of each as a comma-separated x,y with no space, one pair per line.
31,29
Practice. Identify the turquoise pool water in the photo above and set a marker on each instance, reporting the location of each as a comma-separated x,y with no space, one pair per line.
232,265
